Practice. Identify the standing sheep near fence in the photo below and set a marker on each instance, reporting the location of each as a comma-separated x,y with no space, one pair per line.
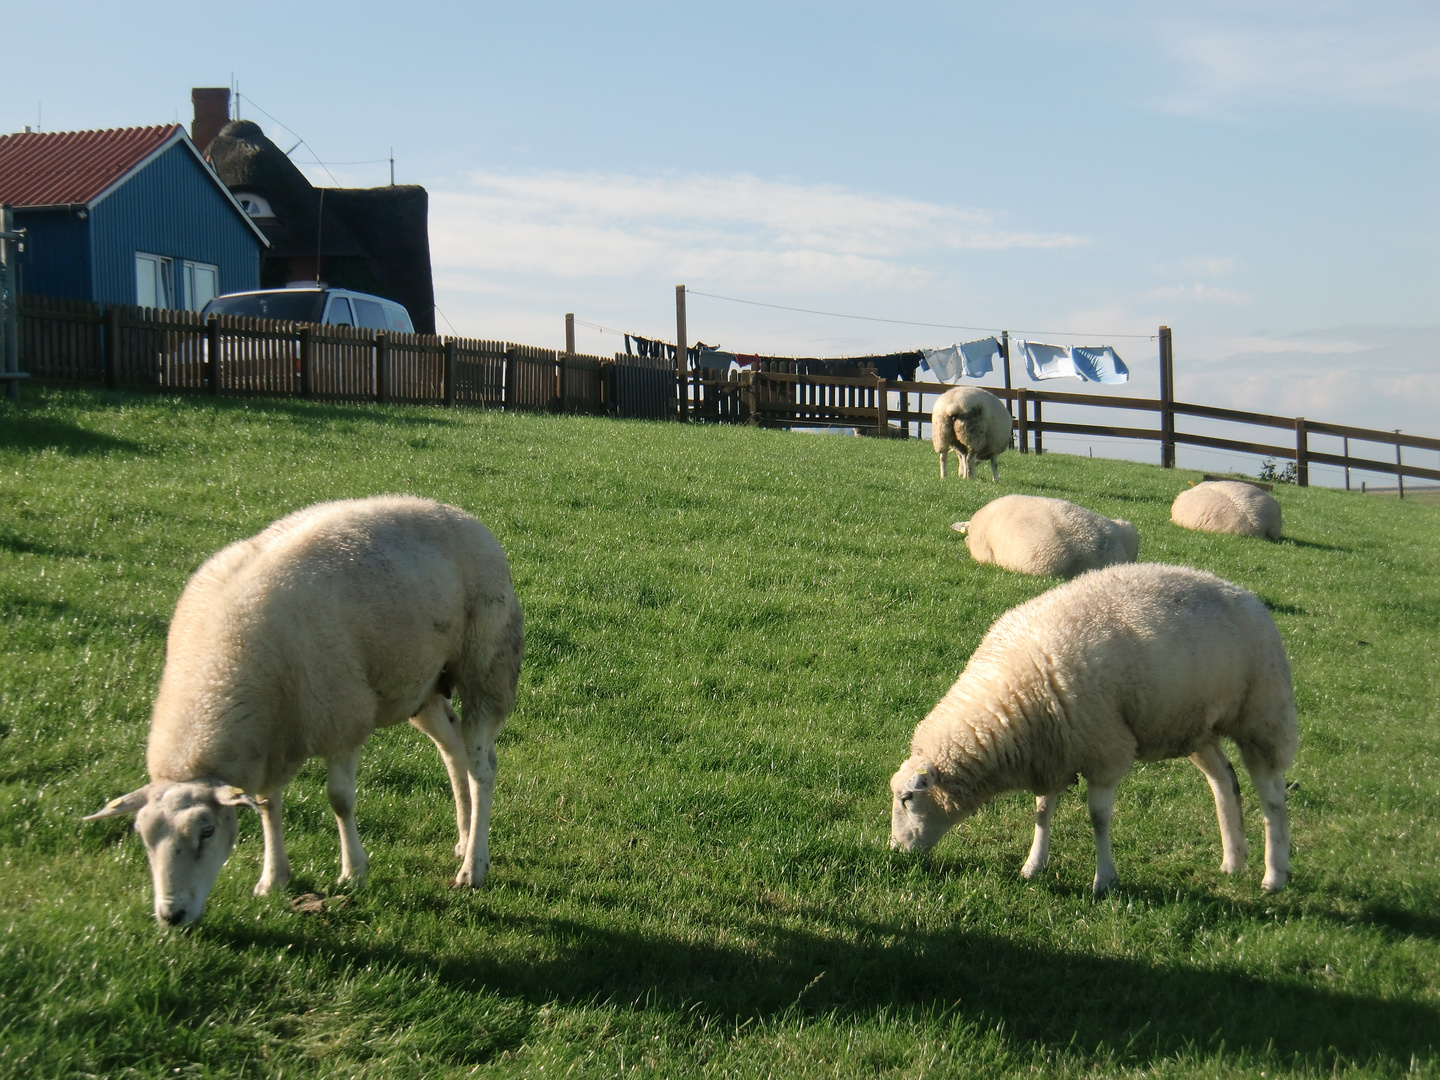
298,643
975,424
1031,534
1141,661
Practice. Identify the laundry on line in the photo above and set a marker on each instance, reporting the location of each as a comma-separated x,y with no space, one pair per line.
1092,364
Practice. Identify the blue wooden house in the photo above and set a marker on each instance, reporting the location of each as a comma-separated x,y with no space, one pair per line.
127,216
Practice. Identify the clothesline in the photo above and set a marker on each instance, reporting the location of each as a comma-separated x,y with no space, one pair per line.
911,322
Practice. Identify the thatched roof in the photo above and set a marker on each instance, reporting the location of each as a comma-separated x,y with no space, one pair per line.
376,239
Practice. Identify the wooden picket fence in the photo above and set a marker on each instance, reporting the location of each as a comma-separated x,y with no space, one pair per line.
119,346
132,347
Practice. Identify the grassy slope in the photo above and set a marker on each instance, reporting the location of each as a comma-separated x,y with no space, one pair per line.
731,634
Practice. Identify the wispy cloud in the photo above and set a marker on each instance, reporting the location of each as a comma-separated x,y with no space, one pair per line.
1198,291
762,233
1379,53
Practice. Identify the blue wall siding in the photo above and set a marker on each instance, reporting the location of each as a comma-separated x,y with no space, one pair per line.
56,259
172,208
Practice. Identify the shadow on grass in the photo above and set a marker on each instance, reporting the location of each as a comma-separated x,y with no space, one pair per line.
1313,545
350,412
1056,1001
35,433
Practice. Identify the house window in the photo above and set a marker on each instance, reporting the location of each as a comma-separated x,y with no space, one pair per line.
202,283
257,206
154,281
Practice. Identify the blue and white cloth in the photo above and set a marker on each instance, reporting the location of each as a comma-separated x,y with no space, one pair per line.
972,360
1092,364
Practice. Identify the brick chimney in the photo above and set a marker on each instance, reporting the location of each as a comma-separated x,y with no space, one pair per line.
212,112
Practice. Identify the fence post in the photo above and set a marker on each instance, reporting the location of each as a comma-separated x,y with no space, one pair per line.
1399,475
507,394
1302,453
452,355
212,350
1345,452
748,412
382,367
307,361
882,407
1023,408
562,368
682,356
111,357
1167,400
1039,427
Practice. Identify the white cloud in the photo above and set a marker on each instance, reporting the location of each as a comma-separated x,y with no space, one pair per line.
743,230
1379,53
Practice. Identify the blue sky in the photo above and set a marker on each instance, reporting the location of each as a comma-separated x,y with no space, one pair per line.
1262,177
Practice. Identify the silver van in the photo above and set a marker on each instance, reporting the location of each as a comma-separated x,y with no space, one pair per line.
315,304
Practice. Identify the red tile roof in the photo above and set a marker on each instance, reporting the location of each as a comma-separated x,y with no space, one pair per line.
56,168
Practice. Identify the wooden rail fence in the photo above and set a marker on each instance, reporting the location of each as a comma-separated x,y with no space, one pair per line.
874,405
120,346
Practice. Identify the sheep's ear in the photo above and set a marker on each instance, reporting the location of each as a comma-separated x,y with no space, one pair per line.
227,795
125,804
962,527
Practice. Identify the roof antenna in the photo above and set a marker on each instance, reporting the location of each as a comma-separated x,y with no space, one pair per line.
392,166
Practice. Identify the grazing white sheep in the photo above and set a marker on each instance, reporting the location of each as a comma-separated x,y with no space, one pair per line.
1034,535
1228,506
975,424
298,643
1139,661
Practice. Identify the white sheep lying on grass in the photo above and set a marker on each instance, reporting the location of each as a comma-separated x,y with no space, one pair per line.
1228,506
1137,661
1034,535
975,424
301,641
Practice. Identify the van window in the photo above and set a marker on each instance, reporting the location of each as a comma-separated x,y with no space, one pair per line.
291,305
368,313
338,314
399,319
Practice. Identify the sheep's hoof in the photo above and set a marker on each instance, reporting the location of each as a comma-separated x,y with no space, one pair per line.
1030,871
1103,887
471,879
1273,884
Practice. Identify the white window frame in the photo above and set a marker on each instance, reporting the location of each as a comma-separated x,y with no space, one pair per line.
154,280
190,271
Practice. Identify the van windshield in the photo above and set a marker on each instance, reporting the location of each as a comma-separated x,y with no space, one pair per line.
291,305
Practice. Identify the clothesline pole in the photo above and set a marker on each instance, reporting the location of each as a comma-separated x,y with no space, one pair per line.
1167,400
570,332
1005,355
681,355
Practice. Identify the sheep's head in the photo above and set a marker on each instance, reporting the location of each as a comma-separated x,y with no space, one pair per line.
918,818
189,830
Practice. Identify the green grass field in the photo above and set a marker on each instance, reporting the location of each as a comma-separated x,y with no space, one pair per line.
730,636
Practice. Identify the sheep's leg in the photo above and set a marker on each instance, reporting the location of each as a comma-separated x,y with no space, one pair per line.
967,464
438,720
944,457
475,862
1102,806
1270,784
994,471
1211,761
340,787
1040,849
276,871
